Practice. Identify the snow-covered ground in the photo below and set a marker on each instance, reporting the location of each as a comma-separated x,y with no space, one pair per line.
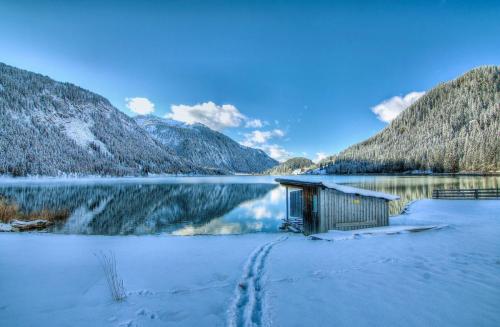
440,277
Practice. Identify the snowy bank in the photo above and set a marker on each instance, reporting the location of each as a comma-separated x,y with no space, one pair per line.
338,235
446,277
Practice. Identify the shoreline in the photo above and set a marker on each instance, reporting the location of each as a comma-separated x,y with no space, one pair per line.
167,176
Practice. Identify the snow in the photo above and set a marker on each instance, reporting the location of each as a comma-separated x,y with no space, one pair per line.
338,235
6,227
360,191
438,277
343,188
151,121
183,281
447,277
80,132
318,171
30,224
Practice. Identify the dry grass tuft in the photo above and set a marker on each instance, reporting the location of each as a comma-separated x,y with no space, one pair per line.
115,283
7,211
10,211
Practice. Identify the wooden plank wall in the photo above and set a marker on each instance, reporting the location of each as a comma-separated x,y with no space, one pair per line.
347,211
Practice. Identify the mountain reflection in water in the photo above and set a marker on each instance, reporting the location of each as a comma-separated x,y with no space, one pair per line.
190,206
183,209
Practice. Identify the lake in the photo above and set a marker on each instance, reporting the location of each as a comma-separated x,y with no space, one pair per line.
188,205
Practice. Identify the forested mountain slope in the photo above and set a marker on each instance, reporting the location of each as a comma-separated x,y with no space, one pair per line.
297,164
205,147
53,128
455,127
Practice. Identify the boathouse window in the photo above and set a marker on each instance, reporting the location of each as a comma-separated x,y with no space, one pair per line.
315,204
296,203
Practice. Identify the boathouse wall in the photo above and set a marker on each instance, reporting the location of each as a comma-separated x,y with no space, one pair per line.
345,211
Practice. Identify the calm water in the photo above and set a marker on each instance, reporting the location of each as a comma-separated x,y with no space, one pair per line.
189,205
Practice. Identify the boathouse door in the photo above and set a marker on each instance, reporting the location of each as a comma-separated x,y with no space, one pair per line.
310,209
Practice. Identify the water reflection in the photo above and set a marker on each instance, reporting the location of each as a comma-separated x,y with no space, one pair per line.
258,215
411,188
146,209
189,206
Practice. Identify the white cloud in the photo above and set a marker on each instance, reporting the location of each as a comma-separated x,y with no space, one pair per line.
277,152
320,156
259,140
389,109
141,106
254,123
256,137
278,132
214,116
260,137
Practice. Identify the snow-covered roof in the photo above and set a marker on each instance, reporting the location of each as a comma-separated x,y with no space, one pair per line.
360,191
338,187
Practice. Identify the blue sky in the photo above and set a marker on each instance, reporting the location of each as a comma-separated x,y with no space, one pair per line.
291,77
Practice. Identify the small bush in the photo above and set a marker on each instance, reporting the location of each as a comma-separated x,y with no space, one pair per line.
115,283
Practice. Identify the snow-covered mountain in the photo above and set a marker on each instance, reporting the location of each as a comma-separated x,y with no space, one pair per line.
53,128
205,147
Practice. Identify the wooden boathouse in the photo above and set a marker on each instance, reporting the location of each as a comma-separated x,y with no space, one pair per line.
316,207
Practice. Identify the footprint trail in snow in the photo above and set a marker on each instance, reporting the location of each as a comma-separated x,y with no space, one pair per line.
247,309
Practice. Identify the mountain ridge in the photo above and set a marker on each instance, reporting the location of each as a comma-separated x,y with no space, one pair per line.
52,128
206,147
452,128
